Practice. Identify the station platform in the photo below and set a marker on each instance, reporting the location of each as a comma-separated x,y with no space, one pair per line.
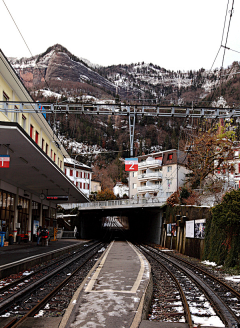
116,293
17,257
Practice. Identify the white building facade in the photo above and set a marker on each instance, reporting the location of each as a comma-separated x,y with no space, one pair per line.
80,174
159,175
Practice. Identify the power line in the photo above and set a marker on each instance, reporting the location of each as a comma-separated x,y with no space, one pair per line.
222,36
25,42
231,12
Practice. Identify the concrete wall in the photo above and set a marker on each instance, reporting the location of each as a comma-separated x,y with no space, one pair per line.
146,226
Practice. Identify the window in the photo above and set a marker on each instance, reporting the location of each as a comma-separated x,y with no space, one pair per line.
51,153
80,184
134,185
81,175
134,174
58,161
169,168
6,99
23,121
46,148
65,171
238,167
36,137
15,115
170,156
168,194
71,172
76,174
169,182
54,157
60,164
42,144
31,131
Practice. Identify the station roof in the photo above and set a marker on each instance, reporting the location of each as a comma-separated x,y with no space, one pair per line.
31,169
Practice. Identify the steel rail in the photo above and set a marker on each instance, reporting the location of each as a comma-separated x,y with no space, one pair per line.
227,314
13,298
236,293
43,302
183,297
16,282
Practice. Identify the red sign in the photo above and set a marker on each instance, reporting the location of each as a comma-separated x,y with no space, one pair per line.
4,161
131,164
57,197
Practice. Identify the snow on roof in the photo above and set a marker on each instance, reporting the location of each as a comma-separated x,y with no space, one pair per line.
73,161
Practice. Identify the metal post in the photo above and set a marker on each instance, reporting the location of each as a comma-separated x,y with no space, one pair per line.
132,119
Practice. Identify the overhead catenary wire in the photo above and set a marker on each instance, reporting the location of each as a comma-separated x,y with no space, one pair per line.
222,36
25,42
225,47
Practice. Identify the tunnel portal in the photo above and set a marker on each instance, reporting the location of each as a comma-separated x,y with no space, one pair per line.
139,224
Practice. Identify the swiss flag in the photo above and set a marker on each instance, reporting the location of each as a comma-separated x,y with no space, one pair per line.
4,161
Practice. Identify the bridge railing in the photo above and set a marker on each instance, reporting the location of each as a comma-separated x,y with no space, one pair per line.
122,202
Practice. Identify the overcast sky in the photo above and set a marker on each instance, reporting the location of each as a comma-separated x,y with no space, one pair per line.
174,34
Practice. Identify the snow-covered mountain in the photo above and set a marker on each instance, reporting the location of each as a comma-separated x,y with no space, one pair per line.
72,76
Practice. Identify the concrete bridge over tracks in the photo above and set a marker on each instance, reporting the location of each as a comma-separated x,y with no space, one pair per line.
140,219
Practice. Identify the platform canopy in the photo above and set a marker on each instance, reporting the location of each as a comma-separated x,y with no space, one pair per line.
31,169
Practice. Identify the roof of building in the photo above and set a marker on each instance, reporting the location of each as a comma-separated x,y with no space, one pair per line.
74,163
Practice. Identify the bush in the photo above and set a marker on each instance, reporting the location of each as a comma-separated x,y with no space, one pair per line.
222,240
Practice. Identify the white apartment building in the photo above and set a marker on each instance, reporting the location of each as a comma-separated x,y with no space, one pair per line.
159,175
80,174
231,179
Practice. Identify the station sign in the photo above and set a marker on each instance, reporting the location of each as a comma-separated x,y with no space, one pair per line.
131,164
57,197
4,161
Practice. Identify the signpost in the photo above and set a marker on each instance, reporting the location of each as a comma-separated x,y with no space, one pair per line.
4,161
131,164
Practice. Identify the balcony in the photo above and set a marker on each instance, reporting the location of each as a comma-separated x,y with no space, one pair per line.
156,163
151,188
150,176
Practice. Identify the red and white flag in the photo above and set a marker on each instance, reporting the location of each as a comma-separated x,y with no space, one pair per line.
131,164
4,161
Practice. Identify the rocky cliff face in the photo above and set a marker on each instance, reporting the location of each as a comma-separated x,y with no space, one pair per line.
57,64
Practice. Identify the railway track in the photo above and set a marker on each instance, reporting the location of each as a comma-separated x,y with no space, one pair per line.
208,298
37,272
32,300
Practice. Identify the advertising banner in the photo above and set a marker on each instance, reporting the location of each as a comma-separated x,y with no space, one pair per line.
199,228
169,229
190,229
